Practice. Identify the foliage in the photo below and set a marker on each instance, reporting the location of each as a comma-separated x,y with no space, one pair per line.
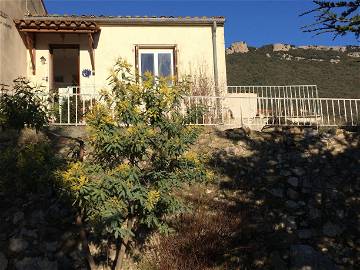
140,156
337,17
22,107
27,167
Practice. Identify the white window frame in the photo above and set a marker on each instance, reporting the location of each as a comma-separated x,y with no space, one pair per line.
156,53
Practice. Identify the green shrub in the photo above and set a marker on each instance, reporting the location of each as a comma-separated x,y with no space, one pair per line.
140,157
22,107
27,167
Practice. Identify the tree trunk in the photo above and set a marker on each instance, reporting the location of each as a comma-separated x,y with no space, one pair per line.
120,260
85,243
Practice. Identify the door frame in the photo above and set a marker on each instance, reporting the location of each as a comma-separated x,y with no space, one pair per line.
51,65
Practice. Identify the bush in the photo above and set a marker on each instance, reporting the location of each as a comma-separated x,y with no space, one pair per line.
22,107
140,156
27,166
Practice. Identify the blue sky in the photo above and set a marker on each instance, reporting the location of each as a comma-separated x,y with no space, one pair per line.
256,22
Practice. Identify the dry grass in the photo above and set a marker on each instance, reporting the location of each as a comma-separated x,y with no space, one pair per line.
206,238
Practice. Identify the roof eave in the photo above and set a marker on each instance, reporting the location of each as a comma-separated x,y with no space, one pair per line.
136,21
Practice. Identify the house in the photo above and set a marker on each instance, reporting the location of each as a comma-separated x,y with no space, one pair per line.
79,51
13,51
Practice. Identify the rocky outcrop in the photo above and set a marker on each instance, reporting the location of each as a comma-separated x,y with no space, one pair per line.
279,47
238,47
354,54
324,48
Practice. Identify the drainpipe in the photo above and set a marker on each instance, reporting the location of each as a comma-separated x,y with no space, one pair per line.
27,8
216,74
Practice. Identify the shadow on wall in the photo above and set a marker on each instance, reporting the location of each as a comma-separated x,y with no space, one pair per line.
286,200
302,196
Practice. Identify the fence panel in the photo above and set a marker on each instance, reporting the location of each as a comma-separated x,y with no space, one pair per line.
251,106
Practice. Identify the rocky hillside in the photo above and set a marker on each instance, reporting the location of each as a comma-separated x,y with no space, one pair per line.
336,69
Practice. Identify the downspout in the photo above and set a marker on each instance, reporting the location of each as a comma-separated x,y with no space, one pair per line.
215,61
216,75
27,8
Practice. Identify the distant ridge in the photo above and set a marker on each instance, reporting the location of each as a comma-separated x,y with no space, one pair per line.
242,47
335,69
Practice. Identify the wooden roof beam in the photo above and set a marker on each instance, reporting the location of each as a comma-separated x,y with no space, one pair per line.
30,45
91,51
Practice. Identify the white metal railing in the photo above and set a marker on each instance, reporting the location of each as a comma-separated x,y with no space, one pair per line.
301,112
285,91
252,106
235,111
70,108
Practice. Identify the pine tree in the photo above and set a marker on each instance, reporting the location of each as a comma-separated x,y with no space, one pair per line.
337,17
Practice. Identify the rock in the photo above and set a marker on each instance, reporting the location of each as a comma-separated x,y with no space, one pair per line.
51,246
37,217
279,47
37,263
28,233
331,230
291,204
292,194
298,171
304,257
340,213
310,132
3,261
354,54
272,163
277,262
277,192
314,213
17,245
18,216
306,183
238,47
290,222
335,61
293,181
304,234
285,173
236,134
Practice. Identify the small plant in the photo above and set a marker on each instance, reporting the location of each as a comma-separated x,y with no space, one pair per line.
27,166
22,107
140,156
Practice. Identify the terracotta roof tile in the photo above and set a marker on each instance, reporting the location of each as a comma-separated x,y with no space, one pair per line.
102,19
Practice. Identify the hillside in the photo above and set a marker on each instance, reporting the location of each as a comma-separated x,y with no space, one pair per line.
336,70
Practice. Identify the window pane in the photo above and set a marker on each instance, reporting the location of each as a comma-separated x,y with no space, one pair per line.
164,64
147,63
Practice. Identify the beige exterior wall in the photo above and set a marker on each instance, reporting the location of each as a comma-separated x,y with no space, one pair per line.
194,45
13,59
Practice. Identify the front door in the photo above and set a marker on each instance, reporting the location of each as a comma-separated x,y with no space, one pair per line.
65,70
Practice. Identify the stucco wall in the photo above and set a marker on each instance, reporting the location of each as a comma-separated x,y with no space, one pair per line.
13,59
194,44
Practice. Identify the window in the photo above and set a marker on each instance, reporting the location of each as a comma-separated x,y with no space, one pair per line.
160,62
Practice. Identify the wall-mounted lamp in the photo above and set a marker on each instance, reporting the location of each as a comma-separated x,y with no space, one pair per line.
43,60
